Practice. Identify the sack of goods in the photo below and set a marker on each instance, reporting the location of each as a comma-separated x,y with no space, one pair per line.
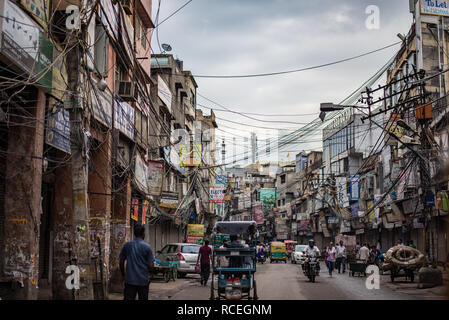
400,256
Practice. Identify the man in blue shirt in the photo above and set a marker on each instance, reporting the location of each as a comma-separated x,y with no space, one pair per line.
139,258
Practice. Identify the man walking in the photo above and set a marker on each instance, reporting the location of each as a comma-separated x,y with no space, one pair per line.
364,253
204,256
341,257
139,258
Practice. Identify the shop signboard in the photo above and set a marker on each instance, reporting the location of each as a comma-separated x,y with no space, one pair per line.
195,233
354,187
39,9
435,7
58,128
217,195
102,106
135,209
220,180
155,177
124,118
24,43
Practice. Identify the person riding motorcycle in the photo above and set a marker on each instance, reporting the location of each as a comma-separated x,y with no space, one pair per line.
312,251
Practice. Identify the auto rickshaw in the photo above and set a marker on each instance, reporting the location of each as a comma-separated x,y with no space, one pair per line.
290,247
278,252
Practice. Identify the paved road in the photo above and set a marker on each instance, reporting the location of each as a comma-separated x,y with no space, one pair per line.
279,281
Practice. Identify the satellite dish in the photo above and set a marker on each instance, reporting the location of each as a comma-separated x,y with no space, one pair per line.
166,47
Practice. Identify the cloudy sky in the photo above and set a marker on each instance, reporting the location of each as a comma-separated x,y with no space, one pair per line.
236,37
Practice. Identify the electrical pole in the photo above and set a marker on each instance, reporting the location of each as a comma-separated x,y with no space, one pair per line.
78,146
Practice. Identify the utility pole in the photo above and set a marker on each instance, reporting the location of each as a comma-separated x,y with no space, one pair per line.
78,146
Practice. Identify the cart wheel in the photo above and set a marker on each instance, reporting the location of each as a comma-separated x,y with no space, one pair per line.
175,272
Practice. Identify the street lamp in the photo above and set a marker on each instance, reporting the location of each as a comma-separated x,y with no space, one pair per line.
330,107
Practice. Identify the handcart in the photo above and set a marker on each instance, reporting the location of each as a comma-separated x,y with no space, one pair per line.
357,267
167,269
235,280
403,271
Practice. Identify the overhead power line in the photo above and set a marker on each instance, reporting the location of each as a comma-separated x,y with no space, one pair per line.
296,70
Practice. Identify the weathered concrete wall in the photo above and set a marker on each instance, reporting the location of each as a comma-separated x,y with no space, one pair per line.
120,230
23,200
61,226
99,190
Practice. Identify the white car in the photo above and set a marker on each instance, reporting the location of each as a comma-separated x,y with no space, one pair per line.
185,253
297,254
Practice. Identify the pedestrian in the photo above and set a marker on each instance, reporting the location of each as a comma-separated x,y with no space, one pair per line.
204,255
399,243
364,253
222,261
379,246
357,247
411,244
139,259
330,254
341,257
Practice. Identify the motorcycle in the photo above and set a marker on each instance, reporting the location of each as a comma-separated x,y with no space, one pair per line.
261,258
311,268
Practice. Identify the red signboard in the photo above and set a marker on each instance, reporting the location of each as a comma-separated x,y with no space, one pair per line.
144,211
258,214
135,209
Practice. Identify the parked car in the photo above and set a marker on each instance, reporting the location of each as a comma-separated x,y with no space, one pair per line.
297,255
185,253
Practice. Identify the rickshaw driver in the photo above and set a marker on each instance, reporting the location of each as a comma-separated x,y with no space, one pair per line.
235,262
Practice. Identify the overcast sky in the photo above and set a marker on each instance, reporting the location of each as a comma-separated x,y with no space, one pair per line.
234,37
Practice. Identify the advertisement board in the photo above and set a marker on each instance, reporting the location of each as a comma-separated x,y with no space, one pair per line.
258,214
58,128
155,177
354,187
195,233
268,197
124,118
435,7
102,106
217,195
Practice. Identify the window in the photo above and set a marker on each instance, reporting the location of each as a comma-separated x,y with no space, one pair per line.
190,249
282,179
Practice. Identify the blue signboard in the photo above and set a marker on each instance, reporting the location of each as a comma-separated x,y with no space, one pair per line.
354,193
58,130
355,210
220,180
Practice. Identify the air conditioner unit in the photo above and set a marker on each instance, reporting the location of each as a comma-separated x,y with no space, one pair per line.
127,91
126,4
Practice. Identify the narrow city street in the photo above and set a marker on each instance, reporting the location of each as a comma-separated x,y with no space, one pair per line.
279,281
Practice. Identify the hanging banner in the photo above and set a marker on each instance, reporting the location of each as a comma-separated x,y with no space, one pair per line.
155,177
164,92
258,214
102,106
135,209
144,211
109,18
141,174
